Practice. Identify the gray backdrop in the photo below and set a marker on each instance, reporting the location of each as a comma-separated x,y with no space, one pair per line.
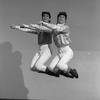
18,48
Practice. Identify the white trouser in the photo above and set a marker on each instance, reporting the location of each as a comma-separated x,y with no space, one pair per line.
41,57
65,54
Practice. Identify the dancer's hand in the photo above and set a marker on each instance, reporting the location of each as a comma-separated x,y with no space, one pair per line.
34,26
13,26
25,26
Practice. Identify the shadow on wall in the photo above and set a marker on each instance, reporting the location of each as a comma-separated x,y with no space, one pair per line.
11,77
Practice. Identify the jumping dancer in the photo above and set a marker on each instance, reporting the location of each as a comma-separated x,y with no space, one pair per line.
62,41
44,42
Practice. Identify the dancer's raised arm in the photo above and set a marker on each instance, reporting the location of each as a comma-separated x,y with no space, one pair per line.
58,28
38,27
49,25
24,29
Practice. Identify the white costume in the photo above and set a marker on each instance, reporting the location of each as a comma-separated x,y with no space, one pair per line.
44,41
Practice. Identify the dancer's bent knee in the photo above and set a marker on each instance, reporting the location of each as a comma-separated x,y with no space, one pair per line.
40,67
62,67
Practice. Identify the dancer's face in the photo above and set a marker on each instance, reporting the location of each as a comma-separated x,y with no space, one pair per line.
46,18
61,19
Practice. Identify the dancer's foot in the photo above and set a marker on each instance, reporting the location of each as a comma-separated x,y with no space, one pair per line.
66,74
74,73
49,72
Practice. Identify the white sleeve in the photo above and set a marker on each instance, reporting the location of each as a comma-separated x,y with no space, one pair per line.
40,27
51,26
25,29
43,28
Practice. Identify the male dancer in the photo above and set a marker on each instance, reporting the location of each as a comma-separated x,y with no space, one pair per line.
62,41
44,42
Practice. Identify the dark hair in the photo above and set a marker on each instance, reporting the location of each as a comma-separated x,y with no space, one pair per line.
46,12
62,13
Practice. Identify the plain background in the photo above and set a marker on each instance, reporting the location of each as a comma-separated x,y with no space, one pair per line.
18,48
